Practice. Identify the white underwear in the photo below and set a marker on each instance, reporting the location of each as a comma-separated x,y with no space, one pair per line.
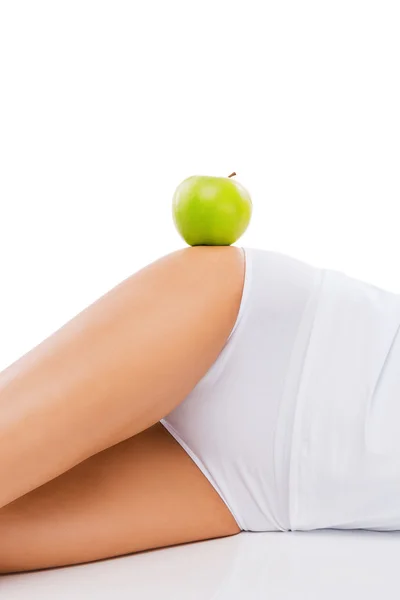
296,423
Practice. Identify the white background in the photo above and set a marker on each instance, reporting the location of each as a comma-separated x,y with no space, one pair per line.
105,106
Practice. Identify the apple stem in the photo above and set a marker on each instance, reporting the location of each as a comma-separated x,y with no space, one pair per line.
232,174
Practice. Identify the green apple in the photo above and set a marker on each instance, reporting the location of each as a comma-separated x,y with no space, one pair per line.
211,211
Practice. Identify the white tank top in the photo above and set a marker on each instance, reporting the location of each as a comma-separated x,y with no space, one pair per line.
344,467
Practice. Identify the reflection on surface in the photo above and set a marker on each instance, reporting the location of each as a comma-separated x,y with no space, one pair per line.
254,566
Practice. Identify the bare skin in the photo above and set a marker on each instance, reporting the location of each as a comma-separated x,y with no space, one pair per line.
86,470
142,493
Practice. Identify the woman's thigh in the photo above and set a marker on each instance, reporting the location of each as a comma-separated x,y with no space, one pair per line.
117,367
142,493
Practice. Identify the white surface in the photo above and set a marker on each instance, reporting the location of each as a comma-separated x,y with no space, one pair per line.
320,565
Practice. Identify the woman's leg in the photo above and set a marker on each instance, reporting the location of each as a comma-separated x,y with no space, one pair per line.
118,367
143,493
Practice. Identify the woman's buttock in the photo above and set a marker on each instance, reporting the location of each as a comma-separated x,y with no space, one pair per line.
296,423
236,423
